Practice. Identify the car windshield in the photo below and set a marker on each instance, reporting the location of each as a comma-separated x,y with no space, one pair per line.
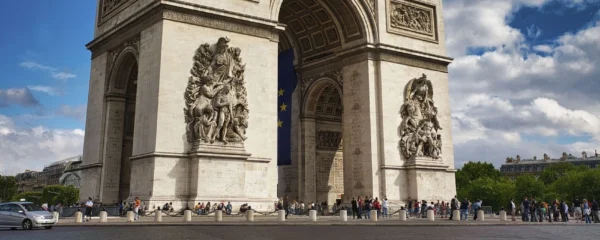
31,207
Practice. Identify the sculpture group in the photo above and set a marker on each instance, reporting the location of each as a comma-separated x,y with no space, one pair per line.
215,98
419,128
411,17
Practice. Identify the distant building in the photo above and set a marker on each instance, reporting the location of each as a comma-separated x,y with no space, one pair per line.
52,174
516,166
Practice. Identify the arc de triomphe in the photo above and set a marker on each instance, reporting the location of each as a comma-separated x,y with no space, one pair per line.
183,102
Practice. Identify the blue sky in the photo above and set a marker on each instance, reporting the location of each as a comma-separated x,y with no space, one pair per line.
507,100
43,48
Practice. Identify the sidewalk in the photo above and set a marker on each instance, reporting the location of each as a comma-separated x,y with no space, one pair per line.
291,221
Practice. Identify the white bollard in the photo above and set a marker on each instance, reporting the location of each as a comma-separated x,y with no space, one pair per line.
456,215
430,215
78,217
187,215
218,216
402,215
312,215
130,216
103,216
281,215
56,215
503,216
250,216
374,215
480,215
158,216
344,215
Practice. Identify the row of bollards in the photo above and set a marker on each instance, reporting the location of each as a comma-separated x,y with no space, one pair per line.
312,216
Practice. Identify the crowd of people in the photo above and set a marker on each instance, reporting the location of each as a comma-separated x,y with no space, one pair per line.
202,209
532,210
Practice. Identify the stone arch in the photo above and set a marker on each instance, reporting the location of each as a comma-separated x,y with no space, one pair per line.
323,88
124,64
121,92
67,178
317,29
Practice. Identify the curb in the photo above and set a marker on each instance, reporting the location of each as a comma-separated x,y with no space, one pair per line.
263,224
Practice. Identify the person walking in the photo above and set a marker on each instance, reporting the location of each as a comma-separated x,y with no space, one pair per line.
513,209
354,208
136,208
577,210
286,206
464,210
88,209
385,207
453,206
525,209
595,211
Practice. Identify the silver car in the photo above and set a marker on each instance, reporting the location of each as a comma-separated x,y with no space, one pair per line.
26,215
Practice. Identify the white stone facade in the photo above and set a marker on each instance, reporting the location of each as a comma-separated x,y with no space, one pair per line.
345,46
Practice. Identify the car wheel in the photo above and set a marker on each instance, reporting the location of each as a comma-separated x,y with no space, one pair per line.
48,227
27,225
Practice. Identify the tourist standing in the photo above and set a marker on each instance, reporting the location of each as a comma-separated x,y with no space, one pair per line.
525,209
385,207
476,207
410,207
136,208
354,208
286,206
453,206
464,209
595,211
577,210
513,209
88,209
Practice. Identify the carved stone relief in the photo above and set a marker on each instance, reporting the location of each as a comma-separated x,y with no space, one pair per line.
419,129
108,7
412,18
114,53
329,140
335,74
216,108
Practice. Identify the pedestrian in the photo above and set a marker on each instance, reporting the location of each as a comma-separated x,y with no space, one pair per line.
587,211
464,209
577,213
354,208
286,206
476,207
525,209
513,209
136,208
385,207
453,204
595,211
88,209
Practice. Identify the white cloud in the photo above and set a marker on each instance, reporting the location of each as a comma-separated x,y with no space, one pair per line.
63,75
534,32
32,148
54,73
77,112
17,96
36,66
517,98
46,89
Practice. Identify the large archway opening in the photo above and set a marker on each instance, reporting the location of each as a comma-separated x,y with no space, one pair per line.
317,31
120,125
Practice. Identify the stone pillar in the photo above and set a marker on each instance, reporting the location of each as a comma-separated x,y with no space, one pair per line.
218,216
56,215
503,216
430,215
281,215
78,217
402,215
344,215
374,215
103,216
250,216
130,216
157,215
113,145
312,215
187,215
480,215
456,215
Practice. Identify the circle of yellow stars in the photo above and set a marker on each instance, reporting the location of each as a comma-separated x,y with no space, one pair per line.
282,108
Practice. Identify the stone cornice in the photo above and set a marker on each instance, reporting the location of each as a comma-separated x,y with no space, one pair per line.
186,13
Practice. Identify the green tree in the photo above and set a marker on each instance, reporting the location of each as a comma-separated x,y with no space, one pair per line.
494,193
472,171
35,197
529,186
50,192
67,196
8,188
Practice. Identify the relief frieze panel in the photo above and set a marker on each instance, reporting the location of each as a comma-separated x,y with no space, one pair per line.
108,8
329,140
413,18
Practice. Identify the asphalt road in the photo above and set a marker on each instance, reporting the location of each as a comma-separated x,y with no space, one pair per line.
562,232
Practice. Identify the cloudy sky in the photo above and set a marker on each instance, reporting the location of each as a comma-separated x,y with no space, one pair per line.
524,80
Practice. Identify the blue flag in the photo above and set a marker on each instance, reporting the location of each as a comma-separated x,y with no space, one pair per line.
286,81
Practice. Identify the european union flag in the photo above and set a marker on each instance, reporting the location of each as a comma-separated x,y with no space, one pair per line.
286,80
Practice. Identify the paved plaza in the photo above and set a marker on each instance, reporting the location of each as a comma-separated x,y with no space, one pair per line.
559,231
